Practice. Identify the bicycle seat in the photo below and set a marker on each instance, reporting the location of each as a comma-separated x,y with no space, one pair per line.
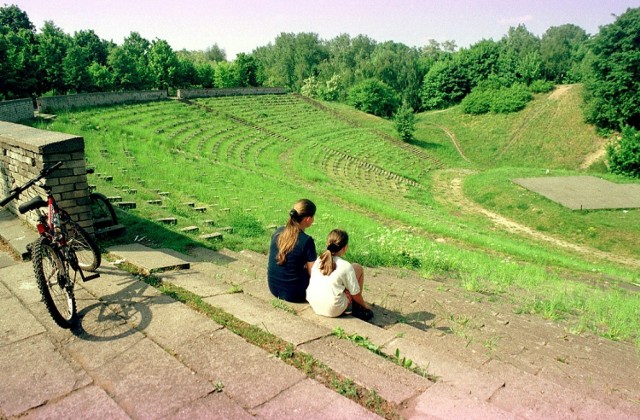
35,203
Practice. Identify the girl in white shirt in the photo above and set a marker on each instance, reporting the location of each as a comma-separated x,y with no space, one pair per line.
335,283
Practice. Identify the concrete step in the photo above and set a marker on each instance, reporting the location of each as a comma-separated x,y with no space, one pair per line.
148,260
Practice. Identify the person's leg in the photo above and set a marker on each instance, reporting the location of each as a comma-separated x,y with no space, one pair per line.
359,274
359,307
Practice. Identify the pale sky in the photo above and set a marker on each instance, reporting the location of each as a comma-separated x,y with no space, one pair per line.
243,25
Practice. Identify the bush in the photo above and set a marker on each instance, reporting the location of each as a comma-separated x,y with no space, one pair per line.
541,86
374,97
624,156
477,102
513,99
405,122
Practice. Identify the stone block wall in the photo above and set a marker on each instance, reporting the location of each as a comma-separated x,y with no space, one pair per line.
24,151
204,93
87,100
16,110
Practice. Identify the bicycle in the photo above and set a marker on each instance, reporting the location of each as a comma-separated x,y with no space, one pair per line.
62,246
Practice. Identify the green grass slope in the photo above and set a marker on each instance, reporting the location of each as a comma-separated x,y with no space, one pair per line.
430,205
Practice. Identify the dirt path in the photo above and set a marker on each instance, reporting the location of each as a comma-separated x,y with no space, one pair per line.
455,195
453,139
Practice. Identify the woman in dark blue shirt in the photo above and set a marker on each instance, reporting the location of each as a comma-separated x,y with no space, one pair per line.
292,254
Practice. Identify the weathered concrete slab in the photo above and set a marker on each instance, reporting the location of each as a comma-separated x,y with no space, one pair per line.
6,260
21,281
152,389
17,323
249,374
448,370
203,284
351,325
444,401
528,396
320,403
16,232
33,372
392,382
217,405
147,259
91,402
289,327
584,192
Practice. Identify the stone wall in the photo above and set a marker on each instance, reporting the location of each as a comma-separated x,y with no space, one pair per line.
87,100
16,110
24,151
203,93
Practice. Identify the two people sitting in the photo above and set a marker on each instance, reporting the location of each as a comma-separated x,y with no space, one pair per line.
330,284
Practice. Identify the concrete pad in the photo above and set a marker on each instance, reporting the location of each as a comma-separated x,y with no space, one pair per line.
250,375
448,370
6,260
351,325
584,192
289,327
214,406
149,383
311,400
90,402
33,372
528,396
148,260
21,281
392,382
444,401
195,281
16,322
16,232
173,325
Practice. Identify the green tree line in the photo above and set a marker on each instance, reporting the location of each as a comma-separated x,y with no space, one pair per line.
381,78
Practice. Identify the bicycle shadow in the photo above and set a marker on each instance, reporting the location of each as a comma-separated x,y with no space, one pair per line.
123,312
421,320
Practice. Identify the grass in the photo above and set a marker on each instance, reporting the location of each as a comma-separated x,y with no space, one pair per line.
246,160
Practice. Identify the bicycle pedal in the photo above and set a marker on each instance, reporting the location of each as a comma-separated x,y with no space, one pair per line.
91,277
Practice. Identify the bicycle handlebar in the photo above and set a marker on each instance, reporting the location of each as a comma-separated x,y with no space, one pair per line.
14,193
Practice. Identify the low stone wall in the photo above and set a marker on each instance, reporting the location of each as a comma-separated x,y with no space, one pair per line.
86,100
203,93
16,110
24,151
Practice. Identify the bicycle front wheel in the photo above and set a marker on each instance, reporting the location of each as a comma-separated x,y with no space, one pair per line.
55,285
86,249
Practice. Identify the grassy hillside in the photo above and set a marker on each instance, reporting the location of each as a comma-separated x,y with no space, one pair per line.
436,205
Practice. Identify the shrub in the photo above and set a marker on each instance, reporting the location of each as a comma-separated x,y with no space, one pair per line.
512,99
477,102
374,97
405,122
541,86
624,156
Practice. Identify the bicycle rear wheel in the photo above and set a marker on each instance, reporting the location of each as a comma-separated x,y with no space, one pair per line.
102,211
55,285
86,249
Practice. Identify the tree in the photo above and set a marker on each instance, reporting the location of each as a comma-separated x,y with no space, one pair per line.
225,75
53,44
560,48
215,54
624,156
613,90
405,122
374,97
163,64
247,69
15,19
130,64
445,84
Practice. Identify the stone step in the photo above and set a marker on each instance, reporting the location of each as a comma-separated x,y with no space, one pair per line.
125,205
146,259
167,220
190,229
391,381
110,231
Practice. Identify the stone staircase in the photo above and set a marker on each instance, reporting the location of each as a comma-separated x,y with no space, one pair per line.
480,358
